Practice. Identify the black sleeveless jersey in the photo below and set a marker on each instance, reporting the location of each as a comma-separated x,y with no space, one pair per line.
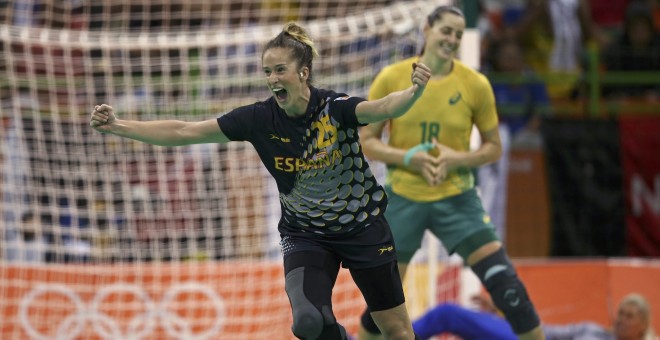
326,186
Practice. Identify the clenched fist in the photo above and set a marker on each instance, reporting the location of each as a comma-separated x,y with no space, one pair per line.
102,118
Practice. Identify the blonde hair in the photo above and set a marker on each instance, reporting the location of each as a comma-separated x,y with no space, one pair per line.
644,308
295,38
300,34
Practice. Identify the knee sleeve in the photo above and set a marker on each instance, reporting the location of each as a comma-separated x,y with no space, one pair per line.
307,319
310,322
368,322
499,277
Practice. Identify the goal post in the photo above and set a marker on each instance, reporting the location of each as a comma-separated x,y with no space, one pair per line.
104,237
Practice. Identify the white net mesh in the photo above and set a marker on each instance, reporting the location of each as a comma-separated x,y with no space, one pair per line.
136,241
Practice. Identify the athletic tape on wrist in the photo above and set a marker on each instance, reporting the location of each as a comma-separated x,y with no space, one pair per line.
407,158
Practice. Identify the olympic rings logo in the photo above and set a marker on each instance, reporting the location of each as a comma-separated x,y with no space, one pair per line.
139,326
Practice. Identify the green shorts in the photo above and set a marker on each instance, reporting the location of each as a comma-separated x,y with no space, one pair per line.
459,222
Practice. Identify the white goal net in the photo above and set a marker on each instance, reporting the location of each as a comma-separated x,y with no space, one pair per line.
105,238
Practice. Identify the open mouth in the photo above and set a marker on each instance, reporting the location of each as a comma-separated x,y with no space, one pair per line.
281,94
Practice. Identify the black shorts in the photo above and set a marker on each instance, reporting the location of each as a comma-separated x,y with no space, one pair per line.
369,255
363,248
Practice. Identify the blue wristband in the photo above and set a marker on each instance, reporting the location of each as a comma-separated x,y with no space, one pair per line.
407,158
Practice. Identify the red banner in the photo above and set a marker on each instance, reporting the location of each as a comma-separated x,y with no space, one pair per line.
640,153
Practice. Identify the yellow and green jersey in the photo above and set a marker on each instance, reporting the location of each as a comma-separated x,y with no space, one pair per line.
447,110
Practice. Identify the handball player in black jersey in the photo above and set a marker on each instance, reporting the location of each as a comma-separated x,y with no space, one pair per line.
332,206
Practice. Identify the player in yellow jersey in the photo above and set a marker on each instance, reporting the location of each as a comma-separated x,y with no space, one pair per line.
430,183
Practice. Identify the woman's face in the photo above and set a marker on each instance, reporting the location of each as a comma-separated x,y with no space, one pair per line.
285,81
444,38
629,323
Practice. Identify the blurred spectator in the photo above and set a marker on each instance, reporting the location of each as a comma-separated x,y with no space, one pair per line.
637,48
553,34
496,22
25,244
73,230
520,94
